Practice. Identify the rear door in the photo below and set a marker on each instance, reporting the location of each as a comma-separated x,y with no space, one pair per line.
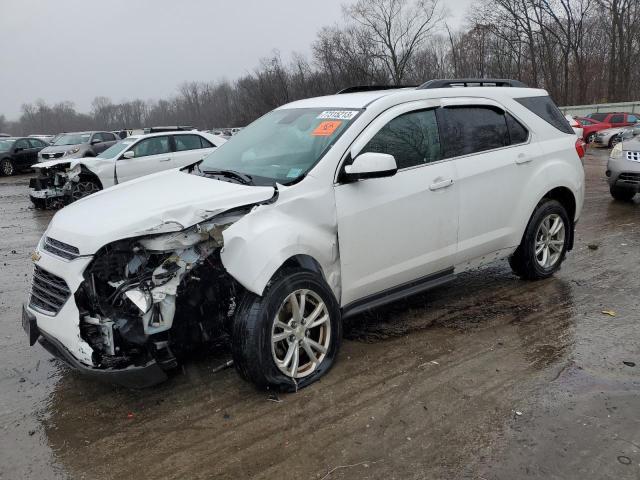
493,157
25,155
151,155
189,148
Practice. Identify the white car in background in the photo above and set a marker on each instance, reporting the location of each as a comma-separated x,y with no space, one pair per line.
575,125
60,182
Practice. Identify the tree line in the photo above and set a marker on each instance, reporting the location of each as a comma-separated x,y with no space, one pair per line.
581,51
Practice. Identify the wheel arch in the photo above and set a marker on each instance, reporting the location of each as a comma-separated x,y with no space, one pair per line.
85,173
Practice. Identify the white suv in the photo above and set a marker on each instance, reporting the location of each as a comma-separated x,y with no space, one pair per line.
319,210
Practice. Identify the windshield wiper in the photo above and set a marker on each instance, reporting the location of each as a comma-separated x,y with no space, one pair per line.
241,177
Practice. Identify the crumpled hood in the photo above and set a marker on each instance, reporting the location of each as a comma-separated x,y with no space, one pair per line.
51,163
163,202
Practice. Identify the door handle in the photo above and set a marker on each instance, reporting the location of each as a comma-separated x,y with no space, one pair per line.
523,158
164,160
441,184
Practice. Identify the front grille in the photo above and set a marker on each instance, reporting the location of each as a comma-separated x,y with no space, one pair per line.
629,177
60,249
52,155
49,292
633,156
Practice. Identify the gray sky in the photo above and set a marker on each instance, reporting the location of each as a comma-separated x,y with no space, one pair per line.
124,49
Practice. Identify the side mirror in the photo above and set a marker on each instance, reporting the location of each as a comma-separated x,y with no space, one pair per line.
129,154
371,165
95,140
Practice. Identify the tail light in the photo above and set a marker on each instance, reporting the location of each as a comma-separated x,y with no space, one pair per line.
580,148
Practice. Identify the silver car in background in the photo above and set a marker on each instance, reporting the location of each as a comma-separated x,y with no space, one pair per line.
78,145
623,169
610,137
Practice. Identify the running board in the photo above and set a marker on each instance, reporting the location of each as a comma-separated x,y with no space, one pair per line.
398,293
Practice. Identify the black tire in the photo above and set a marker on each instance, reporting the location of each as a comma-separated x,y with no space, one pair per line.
39,203
251,333
614,141
591,137
523,261
622,194
7,168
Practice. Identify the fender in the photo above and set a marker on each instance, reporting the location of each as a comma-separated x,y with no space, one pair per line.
257,245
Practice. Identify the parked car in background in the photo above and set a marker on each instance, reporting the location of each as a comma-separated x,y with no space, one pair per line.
615,119
575,125
17,154
623,169
172,128
4,135
590,127
62,181
78,145
610,137
45,138
320,210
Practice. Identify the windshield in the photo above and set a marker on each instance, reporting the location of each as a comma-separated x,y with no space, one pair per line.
283,145
73,139
114,150
5,145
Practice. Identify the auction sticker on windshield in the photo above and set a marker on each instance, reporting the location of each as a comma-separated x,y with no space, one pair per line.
338,114
326,128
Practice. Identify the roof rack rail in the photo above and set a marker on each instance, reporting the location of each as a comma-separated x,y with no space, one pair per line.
372,88
472,82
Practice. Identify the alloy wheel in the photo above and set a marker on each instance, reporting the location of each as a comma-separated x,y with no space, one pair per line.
7,168
550,239
301,334
83,189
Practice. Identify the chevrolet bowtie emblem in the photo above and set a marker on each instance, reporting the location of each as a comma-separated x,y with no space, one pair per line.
35,256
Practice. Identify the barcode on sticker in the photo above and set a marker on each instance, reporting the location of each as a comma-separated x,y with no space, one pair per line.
338,114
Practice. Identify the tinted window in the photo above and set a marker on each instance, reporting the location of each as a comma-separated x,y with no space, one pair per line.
151,146
187,142
206,143
632,118
517,132
411,138
35,143
617,119
108,137
22,143
598,117
548,111
467,130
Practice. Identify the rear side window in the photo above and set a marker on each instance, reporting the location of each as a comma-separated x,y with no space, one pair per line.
412,138
598,117
617,119
517,132
548,111
467,130
632,118
206,143
151,146
187,142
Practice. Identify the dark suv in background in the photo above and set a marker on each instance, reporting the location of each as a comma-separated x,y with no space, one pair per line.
78,145
18,153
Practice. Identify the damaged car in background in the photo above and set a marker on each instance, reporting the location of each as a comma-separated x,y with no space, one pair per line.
66,179
319,210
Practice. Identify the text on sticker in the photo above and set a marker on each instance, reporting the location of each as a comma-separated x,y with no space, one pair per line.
337,114
326,128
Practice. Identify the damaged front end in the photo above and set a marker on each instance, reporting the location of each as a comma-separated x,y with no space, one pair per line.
150,299
53,185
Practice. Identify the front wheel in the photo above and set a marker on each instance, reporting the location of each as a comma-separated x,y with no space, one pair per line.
7,168
83,189
591,137
289,337
616,139
544,244
622,194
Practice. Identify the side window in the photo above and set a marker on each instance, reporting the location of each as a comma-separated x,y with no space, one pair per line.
412,138
632,118
467,130
206,143
108,137
548,111
517,132
151,146
97,136
35,143
187,142
617,119
22,143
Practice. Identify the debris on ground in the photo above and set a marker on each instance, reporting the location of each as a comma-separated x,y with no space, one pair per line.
629,364
222,367
593,246
130,415
611,313
274,398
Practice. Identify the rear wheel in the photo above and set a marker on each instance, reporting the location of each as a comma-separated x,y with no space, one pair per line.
622,194
591,137
544,243
289,337
6,167
614,141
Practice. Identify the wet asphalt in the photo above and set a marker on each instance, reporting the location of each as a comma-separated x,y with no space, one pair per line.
489,377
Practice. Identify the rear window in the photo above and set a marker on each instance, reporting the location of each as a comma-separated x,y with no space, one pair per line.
598,117
548,111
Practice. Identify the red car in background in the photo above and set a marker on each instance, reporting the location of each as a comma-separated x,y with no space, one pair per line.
590,127
616,119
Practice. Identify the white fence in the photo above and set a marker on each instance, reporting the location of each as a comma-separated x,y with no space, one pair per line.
582,110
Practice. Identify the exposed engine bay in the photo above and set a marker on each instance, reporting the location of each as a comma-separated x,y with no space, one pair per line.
155,297
56,186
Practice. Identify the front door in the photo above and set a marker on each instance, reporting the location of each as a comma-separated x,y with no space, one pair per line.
151,155
402,228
